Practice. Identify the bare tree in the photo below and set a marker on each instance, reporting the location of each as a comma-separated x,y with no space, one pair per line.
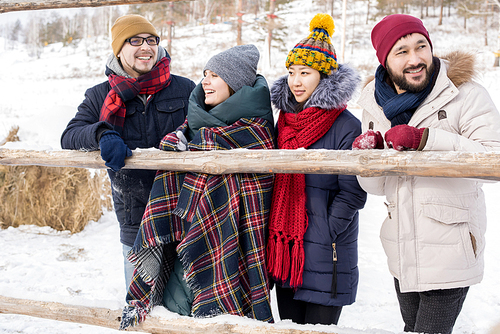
472,8
15,31
33,37
170,25
239,26
209,6
497,53
270,26
441,13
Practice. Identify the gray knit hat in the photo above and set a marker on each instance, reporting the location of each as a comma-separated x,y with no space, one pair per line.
237,66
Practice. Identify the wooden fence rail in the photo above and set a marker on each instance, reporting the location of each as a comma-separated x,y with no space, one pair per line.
483,165
111,319
16,5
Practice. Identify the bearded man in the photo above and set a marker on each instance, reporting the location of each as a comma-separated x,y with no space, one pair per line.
433,235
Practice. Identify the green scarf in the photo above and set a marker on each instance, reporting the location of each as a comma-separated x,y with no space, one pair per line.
248,102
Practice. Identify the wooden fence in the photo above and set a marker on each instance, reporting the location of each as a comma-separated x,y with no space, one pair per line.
369,163
111,319
16,5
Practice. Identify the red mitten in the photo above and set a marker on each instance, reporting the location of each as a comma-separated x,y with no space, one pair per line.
404,137
368,140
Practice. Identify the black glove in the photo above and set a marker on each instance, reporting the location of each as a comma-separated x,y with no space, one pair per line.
113,150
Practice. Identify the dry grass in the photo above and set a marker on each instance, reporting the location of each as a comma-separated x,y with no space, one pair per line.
12,136
63,198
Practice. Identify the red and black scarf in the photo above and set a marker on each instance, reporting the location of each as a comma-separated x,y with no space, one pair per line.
288,219
124,89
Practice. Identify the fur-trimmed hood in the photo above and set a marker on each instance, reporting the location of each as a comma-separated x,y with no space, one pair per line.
332,92
460,67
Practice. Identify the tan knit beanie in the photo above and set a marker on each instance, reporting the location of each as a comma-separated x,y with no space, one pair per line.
128,26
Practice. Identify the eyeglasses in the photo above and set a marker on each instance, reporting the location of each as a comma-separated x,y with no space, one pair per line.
138,41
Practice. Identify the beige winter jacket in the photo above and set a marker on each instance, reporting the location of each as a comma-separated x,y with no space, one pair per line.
433,235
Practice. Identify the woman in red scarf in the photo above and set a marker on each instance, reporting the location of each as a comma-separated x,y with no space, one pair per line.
312,248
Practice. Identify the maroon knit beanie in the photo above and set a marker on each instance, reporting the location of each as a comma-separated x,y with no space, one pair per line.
392,27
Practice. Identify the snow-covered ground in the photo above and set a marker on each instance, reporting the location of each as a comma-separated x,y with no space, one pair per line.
41,95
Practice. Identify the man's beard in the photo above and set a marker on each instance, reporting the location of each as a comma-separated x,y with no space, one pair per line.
405,85
140,72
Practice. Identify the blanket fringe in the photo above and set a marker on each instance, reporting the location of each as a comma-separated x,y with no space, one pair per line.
131,316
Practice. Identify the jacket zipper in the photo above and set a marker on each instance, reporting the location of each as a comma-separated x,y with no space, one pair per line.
334,276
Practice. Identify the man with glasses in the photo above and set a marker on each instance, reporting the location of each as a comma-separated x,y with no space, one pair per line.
139,104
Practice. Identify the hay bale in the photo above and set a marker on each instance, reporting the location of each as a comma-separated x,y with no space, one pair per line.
63,198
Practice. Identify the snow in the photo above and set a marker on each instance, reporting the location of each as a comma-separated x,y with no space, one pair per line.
41,95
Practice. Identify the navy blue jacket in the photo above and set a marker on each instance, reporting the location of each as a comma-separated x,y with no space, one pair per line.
145,126
332,200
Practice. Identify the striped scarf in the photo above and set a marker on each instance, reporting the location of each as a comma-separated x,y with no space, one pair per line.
288,221
125,89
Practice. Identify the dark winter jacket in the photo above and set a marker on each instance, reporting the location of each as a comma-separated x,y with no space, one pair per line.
332,201
145,125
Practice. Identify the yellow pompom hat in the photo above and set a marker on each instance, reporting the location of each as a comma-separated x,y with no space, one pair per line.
316,50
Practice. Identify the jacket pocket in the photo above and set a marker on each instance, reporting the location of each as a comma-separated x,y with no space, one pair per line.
170,114
445,213
447,229
170,106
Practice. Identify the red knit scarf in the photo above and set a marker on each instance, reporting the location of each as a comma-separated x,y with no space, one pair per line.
288,219
124,89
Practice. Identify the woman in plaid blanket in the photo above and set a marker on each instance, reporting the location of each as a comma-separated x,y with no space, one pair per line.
201,247
313,226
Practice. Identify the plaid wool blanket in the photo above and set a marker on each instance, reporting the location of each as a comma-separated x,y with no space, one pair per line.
217,223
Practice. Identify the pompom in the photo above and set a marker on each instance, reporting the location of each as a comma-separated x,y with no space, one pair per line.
322,21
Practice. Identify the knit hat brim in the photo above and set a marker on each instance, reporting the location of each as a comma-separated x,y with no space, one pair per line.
390,29
128,26
237,66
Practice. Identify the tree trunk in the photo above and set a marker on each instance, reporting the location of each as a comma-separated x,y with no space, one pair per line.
441,13
344,27
170,25
486,30
270,26
497,53
239,14
367,11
